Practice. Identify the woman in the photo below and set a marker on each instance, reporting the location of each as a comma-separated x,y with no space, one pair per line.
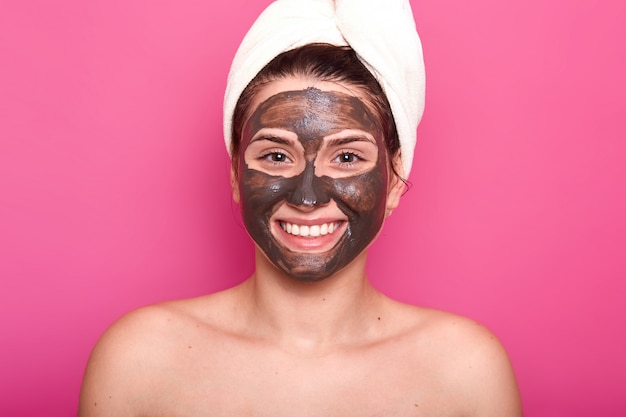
317,165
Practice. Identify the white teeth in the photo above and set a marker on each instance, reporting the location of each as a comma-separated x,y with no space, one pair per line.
306,231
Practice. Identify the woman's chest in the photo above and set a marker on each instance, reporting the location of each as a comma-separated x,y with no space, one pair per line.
261,383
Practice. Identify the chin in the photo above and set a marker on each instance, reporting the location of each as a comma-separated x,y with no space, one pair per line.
308,276
311,267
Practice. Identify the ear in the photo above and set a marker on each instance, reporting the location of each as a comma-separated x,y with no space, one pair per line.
396,185
234,182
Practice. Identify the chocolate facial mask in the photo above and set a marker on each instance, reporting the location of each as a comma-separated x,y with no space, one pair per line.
313,180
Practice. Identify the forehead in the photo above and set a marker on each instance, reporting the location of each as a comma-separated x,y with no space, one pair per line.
309,109
312,113
295,83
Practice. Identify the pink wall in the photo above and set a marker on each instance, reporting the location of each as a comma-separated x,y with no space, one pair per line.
114,188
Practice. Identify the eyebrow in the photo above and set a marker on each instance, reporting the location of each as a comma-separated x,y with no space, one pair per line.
272,138
350,139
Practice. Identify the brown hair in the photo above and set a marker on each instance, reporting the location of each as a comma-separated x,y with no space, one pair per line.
327,63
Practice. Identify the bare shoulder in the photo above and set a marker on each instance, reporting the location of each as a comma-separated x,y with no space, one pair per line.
139,350
467,358
459,336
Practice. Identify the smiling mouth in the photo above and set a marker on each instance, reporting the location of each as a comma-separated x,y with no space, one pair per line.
310,230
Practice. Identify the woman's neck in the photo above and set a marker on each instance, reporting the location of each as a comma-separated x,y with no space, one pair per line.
313,317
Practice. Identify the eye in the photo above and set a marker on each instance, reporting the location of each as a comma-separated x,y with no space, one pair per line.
347,158
275,157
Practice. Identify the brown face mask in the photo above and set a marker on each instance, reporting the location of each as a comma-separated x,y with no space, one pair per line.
312,115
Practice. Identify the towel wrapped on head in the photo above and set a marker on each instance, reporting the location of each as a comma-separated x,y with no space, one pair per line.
381,32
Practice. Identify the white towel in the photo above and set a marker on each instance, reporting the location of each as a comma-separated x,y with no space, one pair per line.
381,32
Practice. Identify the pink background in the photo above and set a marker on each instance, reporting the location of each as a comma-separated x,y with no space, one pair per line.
114,184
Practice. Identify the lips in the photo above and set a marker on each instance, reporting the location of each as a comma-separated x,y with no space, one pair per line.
308,237
312,231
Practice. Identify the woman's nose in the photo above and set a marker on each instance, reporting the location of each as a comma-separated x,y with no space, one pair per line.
310,191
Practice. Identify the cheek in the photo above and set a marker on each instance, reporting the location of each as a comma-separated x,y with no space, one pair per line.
363,193
260,192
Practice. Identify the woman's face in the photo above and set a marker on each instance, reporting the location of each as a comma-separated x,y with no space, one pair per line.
313,177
